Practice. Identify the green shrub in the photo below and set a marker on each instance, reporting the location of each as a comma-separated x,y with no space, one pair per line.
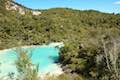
26,70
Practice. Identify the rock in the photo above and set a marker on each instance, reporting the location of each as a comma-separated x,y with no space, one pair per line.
36,13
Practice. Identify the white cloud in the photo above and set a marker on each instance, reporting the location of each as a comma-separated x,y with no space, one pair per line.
117,3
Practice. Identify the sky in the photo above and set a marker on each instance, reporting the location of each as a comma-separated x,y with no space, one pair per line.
109,6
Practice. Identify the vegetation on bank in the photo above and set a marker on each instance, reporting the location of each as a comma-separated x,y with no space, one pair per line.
96,57
91,38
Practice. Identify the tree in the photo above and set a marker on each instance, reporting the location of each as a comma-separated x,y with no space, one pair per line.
26,70
111,48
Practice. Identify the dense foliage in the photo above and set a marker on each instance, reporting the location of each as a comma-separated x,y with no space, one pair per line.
82,32
96,57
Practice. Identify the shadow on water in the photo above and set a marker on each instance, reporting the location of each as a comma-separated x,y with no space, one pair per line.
54,58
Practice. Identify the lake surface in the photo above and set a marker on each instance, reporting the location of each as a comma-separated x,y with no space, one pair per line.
45,56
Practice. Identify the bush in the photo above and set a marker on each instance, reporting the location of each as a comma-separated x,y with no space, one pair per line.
26,70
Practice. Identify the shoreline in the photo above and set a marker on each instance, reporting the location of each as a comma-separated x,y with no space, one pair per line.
54,44
53,70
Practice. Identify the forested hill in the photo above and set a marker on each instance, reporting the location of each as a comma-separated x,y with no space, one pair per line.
57,24
83,33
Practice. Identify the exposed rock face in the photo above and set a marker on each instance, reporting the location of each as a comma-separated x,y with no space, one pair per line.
14,7
36,13
10,5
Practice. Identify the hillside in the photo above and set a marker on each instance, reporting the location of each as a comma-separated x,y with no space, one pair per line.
81,31
52,25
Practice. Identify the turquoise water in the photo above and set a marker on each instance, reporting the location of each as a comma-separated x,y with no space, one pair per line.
42,55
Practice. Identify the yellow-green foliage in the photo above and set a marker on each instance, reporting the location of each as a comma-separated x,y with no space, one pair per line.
26,70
